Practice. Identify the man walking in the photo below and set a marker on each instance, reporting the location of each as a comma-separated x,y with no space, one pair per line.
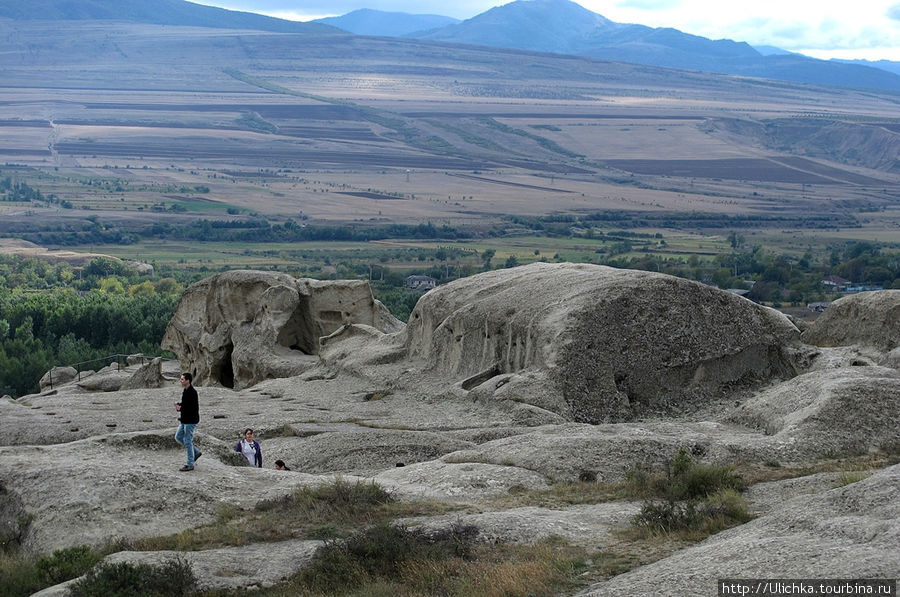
189,407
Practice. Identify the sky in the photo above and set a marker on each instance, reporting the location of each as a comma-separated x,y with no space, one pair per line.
849,29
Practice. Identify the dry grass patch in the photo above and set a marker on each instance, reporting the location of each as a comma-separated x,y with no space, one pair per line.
568,493
776,471
393,561
335,509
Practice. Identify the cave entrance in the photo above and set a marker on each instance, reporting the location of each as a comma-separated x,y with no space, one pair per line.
299,332
224,370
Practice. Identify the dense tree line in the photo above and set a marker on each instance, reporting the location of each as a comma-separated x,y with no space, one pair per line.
252,230
40,330
50,316
562,223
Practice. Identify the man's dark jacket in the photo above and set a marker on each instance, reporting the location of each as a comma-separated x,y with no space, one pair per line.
190,406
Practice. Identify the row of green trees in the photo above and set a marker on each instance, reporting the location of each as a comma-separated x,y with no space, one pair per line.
18,191
54,314
40,330
251,230
776,277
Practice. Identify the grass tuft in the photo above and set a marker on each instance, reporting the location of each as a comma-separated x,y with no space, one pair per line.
20,576
124,579
849,477
391,561
327,511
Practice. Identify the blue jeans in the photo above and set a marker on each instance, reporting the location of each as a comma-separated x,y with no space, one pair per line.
185,437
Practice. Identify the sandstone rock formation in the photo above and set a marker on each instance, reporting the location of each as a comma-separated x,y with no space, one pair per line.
240,327
107,379
613,344
57,376
500,385
837,411
866,319
149,375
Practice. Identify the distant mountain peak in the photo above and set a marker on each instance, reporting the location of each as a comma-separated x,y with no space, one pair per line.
366,21
565,27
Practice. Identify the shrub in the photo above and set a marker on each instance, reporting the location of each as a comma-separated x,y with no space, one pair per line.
337,501
667,516
18,576
23,576
700,480
124,579
848,477
66,564
718,511
690,496
382,552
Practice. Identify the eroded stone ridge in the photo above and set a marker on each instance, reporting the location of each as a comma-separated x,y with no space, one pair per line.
866,319
614,343
240,327
501,415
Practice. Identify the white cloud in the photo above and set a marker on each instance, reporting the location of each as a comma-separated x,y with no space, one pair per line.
823,25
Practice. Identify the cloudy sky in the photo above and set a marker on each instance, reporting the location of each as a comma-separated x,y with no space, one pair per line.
868,29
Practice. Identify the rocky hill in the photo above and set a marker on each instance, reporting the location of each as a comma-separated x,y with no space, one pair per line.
366,21
504,383
156,12
565,27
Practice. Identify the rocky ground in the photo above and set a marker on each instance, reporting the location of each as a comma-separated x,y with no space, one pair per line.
91,466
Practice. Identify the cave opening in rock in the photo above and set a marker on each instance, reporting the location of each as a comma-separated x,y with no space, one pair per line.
299,333
224,371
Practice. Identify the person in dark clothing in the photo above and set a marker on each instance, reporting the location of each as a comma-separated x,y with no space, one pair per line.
189,409
281,466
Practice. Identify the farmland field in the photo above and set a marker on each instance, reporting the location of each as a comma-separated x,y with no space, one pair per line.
123,132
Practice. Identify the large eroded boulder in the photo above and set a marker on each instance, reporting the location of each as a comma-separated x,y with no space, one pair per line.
864,319
611,344
240,327
57,376
850,410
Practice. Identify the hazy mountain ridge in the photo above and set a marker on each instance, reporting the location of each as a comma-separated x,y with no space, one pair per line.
366,21
157,12
538,25
566,27
887,65
563,26
557,26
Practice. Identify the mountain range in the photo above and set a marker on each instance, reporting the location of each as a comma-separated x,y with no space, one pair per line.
564,27
152,12
366,21
556,26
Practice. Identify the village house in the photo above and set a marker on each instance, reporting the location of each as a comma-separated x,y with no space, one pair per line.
834,283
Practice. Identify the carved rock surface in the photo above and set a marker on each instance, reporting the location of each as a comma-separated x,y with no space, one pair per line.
617,343
866,319
240,327
486,430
